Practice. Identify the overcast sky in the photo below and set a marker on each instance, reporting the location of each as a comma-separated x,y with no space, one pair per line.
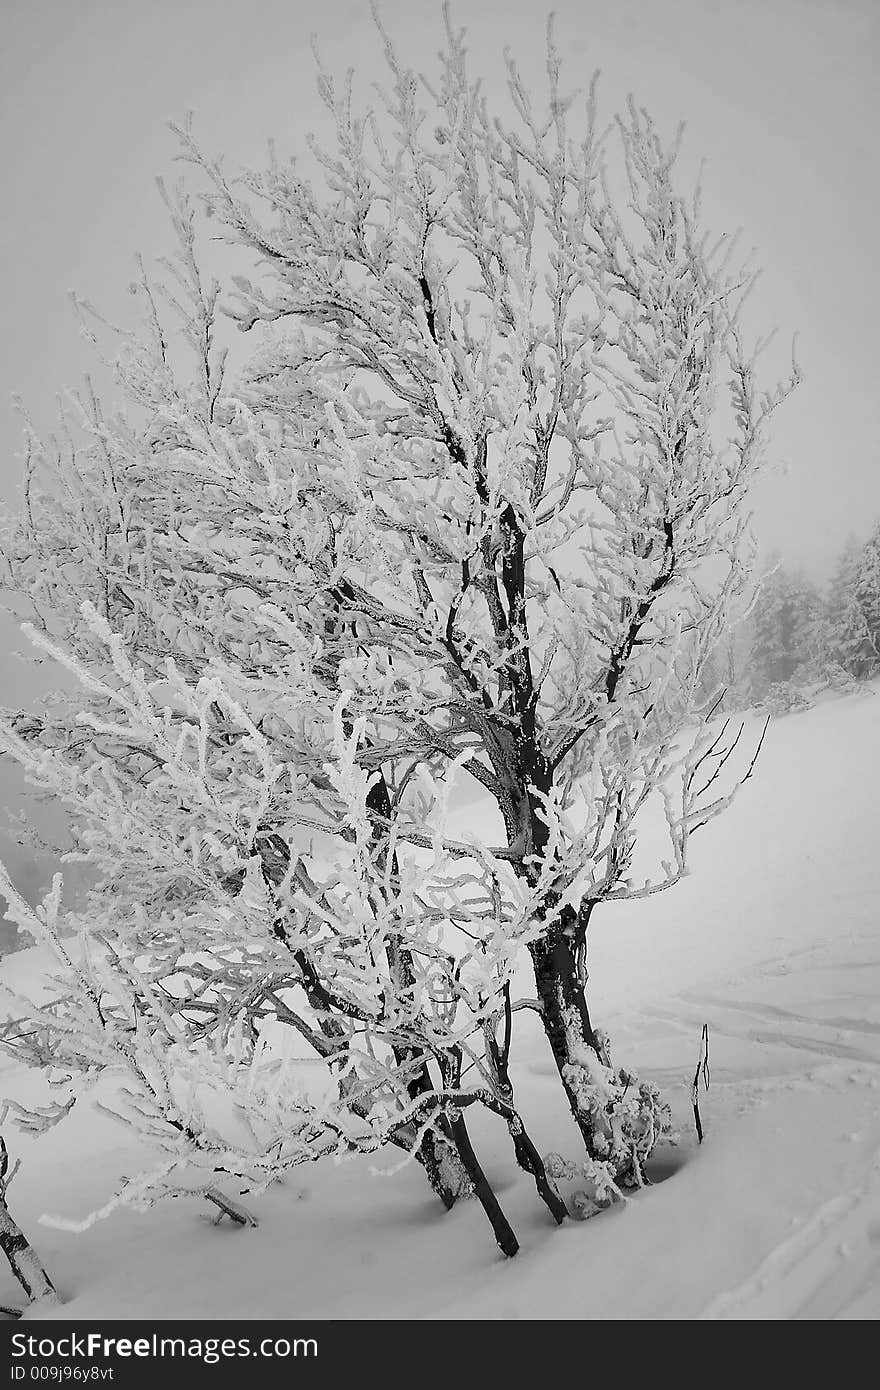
780,96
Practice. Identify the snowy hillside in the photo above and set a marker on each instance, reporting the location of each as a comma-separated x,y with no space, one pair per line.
773,941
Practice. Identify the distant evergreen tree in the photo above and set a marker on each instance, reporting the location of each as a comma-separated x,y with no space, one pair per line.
843,634
807,613
786,629
851,624
867,596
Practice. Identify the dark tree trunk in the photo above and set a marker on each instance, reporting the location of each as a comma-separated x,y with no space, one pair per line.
565,1016
530,1161
24,1261
504,1234
527,1155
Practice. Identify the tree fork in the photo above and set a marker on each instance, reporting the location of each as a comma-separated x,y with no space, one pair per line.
527,1155
430,1152
274,853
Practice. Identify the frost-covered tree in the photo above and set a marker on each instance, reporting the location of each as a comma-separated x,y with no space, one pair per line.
472,508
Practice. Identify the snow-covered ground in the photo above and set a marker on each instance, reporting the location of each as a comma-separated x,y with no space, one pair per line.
773,941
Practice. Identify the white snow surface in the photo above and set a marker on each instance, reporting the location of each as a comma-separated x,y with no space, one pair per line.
773,941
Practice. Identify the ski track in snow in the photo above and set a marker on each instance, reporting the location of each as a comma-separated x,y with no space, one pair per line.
772,1037
854,1037
829,1267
